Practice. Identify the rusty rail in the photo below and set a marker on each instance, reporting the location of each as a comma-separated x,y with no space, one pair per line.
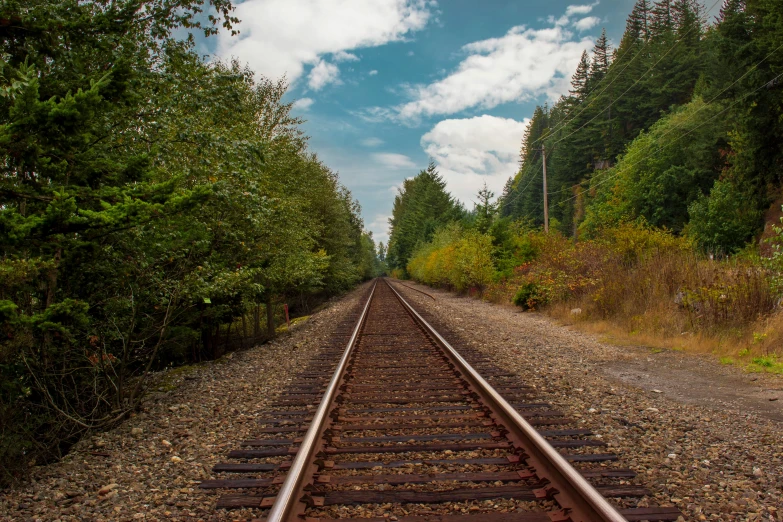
583,501
386,371
285,505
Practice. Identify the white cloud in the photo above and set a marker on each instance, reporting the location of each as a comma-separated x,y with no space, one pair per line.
379,227
373,72
342,56
323,74
283,37
372,142
472,151
303,104
523,64
579,9
393,160
585,24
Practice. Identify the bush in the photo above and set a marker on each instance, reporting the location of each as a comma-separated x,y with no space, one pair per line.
529,296
455,259
723,221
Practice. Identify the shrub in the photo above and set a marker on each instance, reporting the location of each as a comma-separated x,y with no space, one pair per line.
529,296
454,259
723,221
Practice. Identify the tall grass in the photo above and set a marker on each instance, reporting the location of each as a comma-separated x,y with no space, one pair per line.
650,283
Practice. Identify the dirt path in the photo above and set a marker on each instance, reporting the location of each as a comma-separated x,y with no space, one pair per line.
695,379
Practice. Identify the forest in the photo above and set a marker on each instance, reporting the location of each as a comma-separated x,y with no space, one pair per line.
156,209
664,165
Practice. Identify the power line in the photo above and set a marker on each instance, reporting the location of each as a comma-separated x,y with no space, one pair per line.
519,193
706,104
585,105
679,137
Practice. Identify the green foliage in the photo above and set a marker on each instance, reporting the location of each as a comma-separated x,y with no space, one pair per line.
767,363
723,222
662,172
529,296
421,206
150,204
678,106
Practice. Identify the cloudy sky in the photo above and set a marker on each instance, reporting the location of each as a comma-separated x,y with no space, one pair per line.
385,85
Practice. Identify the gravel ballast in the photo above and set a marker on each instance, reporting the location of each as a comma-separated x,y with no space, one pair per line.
714,463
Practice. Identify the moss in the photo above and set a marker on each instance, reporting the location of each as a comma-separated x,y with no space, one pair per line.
294,322
171,379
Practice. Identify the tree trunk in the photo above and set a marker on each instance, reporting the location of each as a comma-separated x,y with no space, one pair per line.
257,323
244,330
51,287
270,318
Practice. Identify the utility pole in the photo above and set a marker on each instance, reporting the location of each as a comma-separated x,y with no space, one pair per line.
546,196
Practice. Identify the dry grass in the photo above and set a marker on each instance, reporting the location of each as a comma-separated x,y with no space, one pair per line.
646,287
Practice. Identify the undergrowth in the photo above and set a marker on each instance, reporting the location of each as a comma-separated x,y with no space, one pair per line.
642,286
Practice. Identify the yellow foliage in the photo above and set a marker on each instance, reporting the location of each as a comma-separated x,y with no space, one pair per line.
455,259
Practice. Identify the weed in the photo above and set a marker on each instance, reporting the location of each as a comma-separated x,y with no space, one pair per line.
726,360
743,352
766,363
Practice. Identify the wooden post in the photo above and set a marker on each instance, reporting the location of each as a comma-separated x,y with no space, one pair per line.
546,196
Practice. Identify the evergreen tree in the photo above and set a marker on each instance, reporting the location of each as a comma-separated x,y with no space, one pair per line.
485,210
661,19
637,25
601,58
421,206
579,81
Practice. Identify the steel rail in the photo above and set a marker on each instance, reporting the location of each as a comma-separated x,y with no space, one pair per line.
283,508
573,492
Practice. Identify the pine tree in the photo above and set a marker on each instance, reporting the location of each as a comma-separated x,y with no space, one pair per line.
580,78
421,206
485,209
729,10
600,63
662,19
637,25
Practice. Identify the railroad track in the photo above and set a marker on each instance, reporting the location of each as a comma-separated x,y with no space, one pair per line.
389,422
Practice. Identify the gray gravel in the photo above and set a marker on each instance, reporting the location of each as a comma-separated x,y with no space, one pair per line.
714,464
149,467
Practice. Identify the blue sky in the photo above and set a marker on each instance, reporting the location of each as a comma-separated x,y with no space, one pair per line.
385,85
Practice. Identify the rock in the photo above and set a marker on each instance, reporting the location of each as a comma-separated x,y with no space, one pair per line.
576,311
105,490
657,391
175,459
757,472
137,432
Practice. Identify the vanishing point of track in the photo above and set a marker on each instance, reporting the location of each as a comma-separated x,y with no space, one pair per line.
389,421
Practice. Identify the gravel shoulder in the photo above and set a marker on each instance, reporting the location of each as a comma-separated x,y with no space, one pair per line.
149,467
703,436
